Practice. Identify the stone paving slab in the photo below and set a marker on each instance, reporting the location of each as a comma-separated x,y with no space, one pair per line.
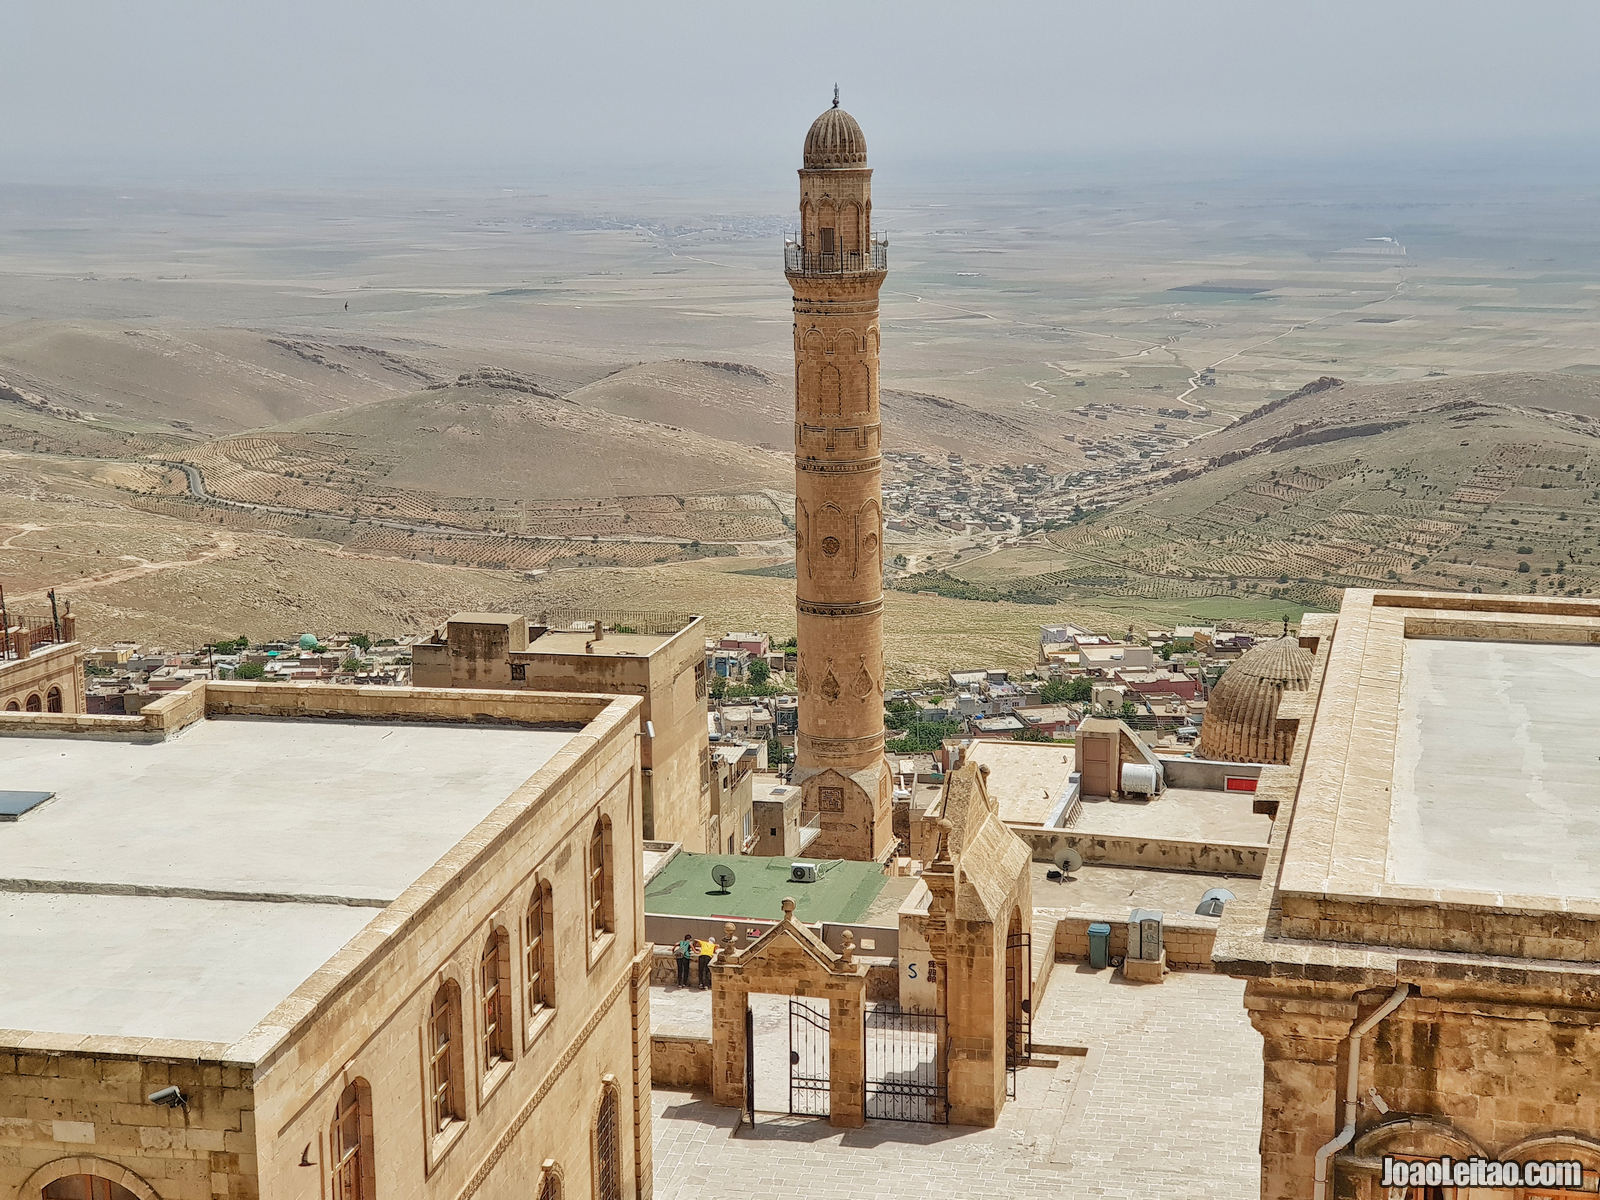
1166,1102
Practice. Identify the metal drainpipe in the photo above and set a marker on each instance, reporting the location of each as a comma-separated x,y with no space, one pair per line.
1346,1135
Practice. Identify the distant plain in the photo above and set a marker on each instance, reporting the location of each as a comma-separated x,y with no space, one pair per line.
598,385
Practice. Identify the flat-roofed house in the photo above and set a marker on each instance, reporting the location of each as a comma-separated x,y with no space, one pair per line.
658,657
1423,969
285,941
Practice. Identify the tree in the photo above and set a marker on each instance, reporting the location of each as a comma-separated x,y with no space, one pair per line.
759,671
719,686
1031,734
1057,691
1129,709
250,670
350,665
1080,690
778,753
921,737
361,642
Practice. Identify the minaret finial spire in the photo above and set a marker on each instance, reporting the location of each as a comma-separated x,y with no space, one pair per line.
836,95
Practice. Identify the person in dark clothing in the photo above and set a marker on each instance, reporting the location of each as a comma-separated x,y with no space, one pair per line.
685,953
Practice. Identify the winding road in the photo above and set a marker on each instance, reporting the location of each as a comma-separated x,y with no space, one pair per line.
197,489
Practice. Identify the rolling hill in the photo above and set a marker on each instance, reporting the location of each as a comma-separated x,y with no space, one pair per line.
1481,482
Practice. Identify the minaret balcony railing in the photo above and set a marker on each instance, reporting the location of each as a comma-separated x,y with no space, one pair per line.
798,260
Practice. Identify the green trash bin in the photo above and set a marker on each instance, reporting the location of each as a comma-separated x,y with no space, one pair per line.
1099,944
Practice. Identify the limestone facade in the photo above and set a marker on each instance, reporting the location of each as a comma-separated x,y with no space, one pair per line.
1487,1003
790,960
666,670
50,679
835,270
973,911
564,1096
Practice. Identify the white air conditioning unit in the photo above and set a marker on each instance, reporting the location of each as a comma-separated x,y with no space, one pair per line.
802,872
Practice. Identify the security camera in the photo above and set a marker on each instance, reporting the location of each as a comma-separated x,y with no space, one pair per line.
650,729
168,1097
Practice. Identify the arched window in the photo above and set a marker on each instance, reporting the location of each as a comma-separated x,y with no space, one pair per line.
445,1068
538,942
85,1187
13,706
350,1144
600,910
494,992
550,1181
52,700
607,1148
33,702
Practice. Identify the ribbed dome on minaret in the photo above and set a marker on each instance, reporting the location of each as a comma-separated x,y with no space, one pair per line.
835,142
1241,722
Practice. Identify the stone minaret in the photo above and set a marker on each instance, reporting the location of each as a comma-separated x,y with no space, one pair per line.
835,268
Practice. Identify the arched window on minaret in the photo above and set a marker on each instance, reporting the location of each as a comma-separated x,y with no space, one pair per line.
850,228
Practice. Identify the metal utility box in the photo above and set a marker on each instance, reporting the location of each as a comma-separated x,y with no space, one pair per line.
1099,944
1144,934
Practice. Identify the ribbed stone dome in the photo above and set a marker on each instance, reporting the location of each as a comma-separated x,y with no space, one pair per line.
1241,723
835,142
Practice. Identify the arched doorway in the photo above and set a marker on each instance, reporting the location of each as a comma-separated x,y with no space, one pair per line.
86,1187
1019,994
52,700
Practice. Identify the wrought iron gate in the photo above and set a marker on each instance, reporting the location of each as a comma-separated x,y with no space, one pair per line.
1019,1005
906,1066
808,1058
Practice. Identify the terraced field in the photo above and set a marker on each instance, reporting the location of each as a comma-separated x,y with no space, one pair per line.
1455,488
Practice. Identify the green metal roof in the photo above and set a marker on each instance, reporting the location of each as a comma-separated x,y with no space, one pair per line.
843,893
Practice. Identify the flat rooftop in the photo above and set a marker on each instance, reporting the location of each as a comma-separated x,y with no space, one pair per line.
845,892
1497,760
1180,814
1027,780
581,642
1447,797
189,885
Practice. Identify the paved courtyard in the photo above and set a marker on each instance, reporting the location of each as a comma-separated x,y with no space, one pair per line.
1167,1102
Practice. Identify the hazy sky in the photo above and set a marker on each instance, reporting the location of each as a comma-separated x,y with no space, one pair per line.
527,85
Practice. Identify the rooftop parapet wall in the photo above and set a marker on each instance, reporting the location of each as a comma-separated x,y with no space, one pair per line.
1337,878
299,701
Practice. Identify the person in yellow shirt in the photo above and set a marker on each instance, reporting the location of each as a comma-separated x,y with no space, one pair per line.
708,951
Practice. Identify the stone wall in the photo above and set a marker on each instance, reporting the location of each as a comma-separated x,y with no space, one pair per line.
1186,945
364,1014
680,1061
71,1112
1163,854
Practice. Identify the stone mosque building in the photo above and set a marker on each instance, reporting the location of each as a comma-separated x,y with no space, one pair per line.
1422,964
1243,721
835,267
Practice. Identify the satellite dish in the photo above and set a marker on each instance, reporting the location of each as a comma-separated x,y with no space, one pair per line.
1067,860
1211,903
722,876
